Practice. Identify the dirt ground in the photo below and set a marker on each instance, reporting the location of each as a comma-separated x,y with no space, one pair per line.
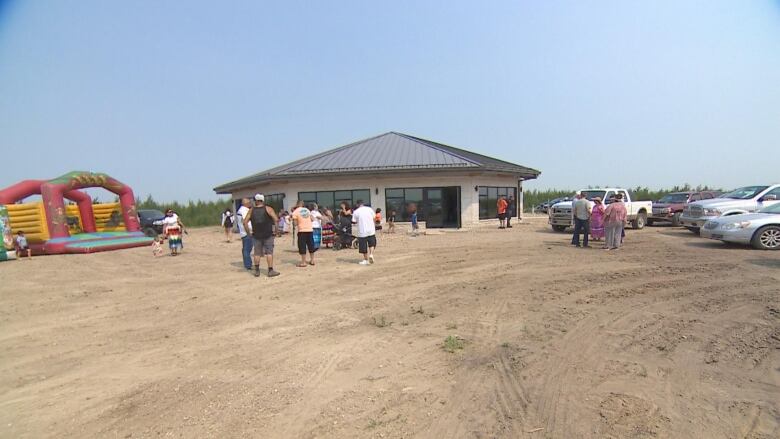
672,337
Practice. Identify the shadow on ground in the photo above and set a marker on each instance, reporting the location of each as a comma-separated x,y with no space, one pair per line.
771,263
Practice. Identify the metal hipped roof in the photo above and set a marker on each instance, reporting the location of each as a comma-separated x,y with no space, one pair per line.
387,152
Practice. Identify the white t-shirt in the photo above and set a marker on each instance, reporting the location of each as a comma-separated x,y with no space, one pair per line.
170,221
241,214
363,216
316,219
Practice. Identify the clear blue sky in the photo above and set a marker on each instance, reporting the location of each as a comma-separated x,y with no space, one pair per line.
176,97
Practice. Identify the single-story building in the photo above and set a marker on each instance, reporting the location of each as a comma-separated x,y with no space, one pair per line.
452,187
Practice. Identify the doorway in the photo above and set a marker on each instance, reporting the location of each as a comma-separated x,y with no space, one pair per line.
441,206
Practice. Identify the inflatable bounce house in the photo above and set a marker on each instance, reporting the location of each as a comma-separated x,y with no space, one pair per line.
52,227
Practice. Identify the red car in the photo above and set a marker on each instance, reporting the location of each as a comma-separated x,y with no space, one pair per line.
670,207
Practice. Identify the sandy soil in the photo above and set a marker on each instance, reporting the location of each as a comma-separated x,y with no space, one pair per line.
672,337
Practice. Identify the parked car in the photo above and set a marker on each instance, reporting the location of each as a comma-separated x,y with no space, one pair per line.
670,207
760,229
151,222
746,199
638,211
545,206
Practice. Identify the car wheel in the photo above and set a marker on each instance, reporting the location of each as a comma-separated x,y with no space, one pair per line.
559,228
676,219
767,238
150,232
640,221
693,229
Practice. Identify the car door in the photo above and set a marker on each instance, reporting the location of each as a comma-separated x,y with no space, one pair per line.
766,203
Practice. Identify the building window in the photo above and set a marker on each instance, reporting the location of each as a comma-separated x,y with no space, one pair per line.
276,201
332,199
399,200
488,198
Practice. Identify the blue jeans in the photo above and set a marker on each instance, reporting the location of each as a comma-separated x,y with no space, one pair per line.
246,251
580,226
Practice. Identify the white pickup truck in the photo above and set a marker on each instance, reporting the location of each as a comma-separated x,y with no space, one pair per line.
560,214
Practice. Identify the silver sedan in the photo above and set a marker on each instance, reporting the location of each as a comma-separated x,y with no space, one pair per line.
760,229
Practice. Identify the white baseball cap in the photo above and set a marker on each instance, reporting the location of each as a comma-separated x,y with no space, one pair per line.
259,197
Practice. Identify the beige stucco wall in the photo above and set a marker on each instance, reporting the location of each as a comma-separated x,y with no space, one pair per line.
466,181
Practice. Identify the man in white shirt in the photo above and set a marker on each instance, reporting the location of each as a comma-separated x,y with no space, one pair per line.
246,236
363,217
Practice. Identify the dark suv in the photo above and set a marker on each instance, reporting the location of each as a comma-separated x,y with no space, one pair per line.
670,207
151,222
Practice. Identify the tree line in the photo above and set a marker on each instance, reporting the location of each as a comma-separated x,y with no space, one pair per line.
208,213
193,213
534,197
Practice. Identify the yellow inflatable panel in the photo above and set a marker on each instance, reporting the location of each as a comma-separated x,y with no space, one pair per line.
75,223
29,217
108,217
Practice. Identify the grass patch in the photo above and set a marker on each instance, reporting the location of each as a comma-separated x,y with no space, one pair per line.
453,343
381,322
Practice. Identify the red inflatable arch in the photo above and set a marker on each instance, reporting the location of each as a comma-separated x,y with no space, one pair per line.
55,191
28,188
57,238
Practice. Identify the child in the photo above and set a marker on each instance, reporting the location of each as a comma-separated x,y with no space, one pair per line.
282,224
378,219
157,246
22,246
415,226
391,222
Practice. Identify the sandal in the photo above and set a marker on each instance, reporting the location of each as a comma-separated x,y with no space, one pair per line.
301,265
311,263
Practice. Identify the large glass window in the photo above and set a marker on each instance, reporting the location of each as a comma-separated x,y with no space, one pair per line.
488,200
276,201
332,199
399,200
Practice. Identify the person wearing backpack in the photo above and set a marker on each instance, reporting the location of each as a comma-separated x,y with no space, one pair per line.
227,223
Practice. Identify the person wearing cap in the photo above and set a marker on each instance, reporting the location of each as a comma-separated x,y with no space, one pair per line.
581,213
262,220
246,235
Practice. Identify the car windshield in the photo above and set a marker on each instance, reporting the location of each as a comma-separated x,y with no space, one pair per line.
745,193
775,208
590,195
674,198
151,214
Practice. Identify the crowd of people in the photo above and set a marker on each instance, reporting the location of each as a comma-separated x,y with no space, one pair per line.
599,222
259,224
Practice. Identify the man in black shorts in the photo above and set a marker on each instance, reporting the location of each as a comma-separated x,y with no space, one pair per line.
263,219
363,217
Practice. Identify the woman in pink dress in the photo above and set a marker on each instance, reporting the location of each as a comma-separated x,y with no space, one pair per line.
614,221
597,220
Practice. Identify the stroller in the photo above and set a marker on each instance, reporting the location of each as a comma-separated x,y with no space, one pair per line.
344,237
